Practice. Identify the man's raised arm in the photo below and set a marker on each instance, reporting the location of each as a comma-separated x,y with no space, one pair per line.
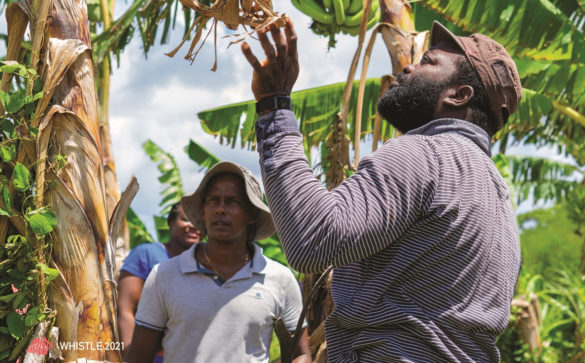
317,227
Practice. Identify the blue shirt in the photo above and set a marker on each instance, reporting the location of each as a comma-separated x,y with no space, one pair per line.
144,257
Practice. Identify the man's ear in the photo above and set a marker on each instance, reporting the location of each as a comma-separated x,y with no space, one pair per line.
458,96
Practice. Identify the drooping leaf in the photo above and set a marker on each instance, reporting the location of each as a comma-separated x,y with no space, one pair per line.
315,109
542,179
170,175
201,156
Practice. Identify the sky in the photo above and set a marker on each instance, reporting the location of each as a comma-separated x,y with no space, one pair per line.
157,98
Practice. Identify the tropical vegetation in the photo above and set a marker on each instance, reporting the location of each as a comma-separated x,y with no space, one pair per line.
61,213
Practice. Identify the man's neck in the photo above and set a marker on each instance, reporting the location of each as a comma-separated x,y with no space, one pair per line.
224,254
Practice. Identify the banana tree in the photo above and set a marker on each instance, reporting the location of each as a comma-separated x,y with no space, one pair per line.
58,160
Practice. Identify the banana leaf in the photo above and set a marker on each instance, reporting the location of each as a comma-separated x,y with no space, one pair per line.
315,109
170,176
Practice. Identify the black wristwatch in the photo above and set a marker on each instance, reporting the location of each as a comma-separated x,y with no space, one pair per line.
273,103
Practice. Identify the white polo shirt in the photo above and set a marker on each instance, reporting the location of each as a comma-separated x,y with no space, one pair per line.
205,322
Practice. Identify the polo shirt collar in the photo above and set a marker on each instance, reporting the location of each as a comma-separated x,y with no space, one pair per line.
451,125
188,264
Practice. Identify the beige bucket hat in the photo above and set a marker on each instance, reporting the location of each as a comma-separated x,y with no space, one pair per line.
193,205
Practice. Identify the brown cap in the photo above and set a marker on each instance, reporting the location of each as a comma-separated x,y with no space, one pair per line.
494,66
193,205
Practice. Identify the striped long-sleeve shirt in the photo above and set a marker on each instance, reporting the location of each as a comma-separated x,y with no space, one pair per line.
423,238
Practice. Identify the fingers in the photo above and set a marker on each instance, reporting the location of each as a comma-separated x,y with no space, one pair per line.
291,37
250,56
266,45
278,40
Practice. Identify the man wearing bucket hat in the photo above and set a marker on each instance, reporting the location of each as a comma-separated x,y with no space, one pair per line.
423,237
217,301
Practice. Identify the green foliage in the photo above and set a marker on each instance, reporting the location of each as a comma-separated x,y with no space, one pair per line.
42,220
138,232
272,248
170,176
274,349
549,241
540,178
24,250
21,177
561,299
315,108
550,270
162,229
201,156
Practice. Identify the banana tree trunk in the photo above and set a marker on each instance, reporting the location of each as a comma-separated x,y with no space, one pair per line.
102,81
83,251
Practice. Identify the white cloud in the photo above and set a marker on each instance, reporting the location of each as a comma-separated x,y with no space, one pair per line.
158,99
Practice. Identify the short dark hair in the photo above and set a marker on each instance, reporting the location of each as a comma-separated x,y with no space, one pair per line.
173,213
481,113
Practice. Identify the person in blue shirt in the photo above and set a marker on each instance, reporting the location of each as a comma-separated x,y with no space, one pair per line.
142,259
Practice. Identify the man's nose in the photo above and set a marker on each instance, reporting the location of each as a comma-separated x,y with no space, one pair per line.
408,68
220,207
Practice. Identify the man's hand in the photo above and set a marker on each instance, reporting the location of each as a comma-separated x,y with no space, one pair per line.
277,74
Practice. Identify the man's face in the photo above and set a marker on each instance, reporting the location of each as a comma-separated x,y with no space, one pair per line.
412,100
226,213
182,232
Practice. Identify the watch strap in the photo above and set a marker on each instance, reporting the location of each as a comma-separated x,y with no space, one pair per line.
273,103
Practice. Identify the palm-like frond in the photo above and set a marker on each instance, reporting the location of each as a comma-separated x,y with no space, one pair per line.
147,17
537,29
201,155
315,109
170,176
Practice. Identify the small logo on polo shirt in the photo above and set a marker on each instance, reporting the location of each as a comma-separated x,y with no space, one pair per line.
258,295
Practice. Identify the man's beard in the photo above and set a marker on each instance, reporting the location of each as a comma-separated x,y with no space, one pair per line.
412,103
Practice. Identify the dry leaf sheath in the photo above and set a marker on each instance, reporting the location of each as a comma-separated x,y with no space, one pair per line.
257,14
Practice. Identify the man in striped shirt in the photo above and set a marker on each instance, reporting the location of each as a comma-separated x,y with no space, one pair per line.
423,237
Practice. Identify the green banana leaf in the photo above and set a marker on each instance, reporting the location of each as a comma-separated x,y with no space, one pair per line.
138,232
201,156
315,109
170,178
